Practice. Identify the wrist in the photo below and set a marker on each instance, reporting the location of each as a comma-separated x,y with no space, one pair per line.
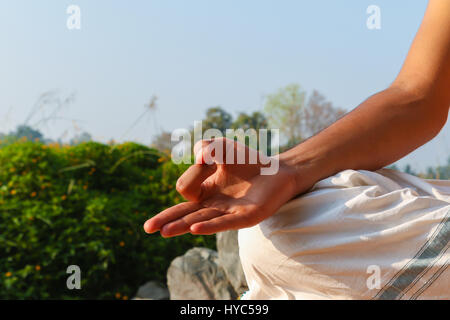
306,167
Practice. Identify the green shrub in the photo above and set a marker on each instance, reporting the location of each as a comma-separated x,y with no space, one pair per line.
84,205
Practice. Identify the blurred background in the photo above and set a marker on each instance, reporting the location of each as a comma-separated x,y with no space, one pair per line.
86,117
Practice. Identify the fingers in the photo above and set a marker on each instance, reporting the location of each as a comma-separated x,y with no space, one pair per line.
189,185
182,225
225,222
199,149
226,151
173,213
204,151
212,151
192,217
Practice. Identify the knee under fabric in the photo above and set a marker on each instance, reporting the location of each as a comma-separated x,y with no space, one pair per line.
355,235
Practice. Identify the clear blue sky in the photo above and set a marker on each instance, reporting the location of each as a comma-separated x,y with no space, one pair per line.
194,55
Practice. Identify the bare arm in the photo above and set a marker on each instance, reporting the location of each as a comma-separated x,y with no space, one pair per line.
384,128
394,122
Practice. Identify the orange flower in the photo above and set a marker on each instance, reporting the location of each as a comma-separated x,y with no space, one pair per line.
125,298
13,192
85,187
38,267
122,244
8,274
63,197
33,194
118,295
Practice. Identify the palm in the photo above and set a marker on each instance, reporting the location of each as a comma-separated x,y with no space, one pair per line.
223,197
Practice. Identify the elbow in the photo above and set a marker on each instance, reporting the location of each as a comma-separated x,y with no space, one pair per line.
412,91
434,108
433,114
428,105
440,118
426,110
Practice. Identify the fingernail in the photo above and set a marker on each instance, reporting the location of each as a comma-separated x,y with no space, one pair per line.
148,227
164,231
194,228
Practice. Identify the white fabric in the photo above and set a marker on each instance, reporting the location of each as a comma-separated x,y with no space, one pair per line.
331,242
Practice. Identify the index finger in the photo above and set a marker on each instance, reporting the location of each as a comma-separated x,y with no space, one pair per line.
173,213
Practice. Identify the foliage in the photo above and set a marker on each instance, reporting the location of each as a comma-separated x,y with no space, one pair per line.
319,114
27,132
297,119
22,132
284,110
80,138
163,142
255,121
84,205
440,172
217,118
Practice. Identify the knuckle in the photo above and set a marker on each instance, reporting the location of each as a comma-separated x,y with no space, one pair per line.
186,191
181,186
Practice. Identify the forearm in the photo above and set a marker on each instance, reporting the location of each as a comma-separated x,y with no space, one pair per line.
392,123
383,129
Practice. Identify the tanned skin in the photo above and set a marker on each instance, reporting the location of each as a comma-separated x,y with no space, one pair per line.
384,128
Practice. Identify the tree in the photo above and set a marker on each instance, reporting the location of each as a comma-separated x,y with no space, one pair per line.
217,118
284,110
163,142
80,138
297,120
319,114
25,131
256,121
439,172
409,170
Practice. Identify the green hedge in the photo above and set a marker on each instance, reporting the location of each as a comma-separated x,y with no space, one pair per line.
84,205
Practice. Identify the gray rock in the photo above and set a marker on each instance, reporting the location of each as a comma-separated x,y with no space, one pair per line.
152,291
228,250
197,276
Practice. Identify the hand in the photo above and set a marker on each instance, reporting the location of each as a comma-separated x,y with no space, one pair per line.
224,196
